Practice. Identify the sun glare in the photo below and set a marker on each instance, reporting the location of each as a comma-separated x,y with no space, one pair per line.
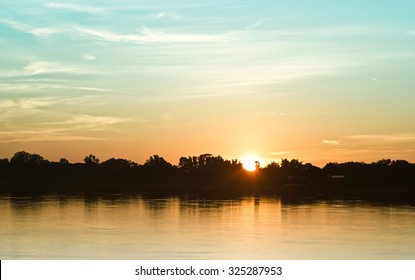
249,164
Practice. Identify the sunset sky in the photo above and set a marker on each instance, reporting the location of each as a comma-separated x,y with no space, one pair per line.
319,81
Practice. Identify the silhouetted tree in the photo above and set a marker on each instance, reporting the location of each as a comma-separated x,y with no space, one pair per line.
236,164
64,161
188,164
207,168
272,166
402,171
27,158
292,168
24,164
4,166
331,168
157,161
210,168
91,160
384,162
157,169
117,167
118,163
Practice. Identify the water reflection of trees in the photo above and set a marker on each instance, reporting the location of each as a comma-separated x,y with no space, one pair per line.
24,204
381,201
158,204
208,203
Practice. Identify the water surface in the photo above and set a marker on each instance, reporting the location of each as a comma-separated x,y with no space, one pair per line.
139,227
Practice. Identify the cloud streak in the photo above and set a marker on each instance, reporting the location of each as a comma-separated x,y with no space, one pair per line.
404,137
83,88
89,57
69,130
9,88
74,8
149,36
27,103
90,122
44,67
35,31
145,35
41,135
281,153
331,142
40,68
165,15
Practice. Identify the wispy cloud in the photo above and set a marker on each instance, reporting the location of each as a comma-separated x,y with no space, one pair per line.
44,67
41,135
73,129
13,87
233,7
39,68
89,57
329,31
331,142
165,15
149,36
72,88
44,106
281,153
36,31
95,122
281,113
254,25
403,137
75,8
273,71
22,86
27,103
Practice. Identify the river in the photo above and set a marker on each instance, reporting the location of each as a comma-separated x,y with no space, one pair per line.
117,226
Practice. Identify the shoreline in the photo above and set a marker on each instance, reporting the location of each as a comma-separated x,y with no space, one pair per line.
324,190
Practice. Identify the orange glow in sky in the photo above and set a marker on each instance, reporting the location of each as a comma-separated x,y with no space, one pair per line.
125,79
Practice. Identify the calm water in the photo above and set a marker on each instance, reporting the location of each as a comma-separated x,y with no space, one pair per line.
125,227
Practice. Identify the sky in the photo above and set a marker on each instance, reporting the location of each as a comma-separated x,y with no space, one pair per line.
318,81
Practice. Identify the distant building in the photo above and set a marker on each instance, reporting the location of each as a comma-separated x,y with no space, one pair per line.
337,177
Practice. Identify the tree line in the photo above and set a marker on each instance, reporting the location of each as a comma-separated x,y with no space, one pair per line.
207,168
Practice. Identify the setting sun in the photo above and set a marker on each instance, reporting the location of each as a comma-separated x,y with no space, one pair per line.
249,163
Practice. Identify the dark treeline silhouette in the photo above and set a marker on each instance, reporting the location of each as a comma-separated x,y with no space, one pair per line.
206,172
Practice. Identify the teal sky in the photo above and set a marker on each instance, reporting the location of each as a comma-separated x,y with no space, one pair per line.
318,81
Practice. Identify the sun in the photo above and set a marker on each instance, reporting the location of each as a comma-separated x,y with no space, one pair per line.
249,164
